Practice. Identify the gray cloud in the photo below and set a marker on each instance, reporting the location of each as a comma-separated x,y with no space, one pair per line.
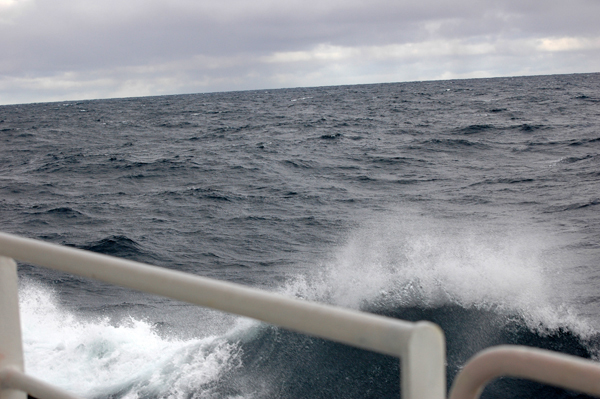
70,49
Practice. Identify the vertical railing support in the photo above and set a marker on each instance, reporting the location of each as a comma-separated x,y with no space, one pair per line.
423,367
11,347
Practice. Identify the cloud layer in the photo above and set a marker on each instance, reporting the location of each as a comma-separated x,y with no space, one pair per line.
76,49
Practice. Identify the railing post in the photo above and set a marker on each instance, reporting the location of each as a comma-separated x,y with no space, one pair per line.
423,371
11,347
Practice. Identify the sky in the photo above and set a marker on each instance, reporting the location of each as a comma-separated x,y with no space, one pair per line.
56,50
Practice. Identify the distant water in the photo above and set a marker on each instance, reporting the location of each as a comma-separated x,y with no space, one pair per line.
472,203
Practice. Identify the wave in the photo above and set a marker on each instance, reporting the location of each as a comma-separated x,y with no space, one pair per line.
587,98
121,246
574,206
98,359
530,128
65,212
569,160
504,180
483,286
331,136
116,245
397,160
476,129
584,141
456,144
283,364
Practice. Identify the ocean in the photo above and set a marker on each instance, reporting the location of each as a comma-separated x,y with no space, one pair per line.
470,203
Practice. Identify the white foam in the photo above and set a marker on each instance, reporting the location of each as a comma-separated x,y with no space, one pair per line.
93,358
411,260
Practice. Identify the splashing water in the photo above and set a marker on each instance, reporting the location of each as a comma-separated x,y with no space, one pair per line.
94,358
412,261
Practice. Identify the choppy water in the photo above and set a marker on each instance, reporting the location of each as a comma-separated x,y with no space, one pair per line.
471,203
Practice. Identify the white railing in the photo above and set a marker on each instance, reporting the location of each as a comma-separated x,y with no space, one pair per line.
420,346
539,365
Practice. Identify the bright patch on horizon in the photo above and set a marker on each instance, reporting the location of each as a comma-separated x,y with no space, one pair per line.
568,44
326,52
322,52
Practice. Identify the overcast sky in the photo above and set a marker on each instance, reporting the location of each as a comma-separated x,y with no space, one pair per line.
85,49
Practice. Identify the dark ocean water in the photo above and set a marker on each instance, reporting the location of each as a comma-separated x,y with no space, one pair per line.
472,203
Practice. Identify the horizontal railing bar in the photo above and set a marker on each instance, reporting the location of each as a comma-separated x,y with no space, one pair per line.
363,330
557,369
11,378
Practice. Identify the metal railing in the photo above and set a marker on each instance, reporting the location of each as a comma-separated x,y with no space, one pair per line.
420,346
539,365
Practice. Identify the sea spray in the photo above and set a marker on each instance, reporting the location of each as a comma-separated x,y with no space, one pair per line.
94,357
